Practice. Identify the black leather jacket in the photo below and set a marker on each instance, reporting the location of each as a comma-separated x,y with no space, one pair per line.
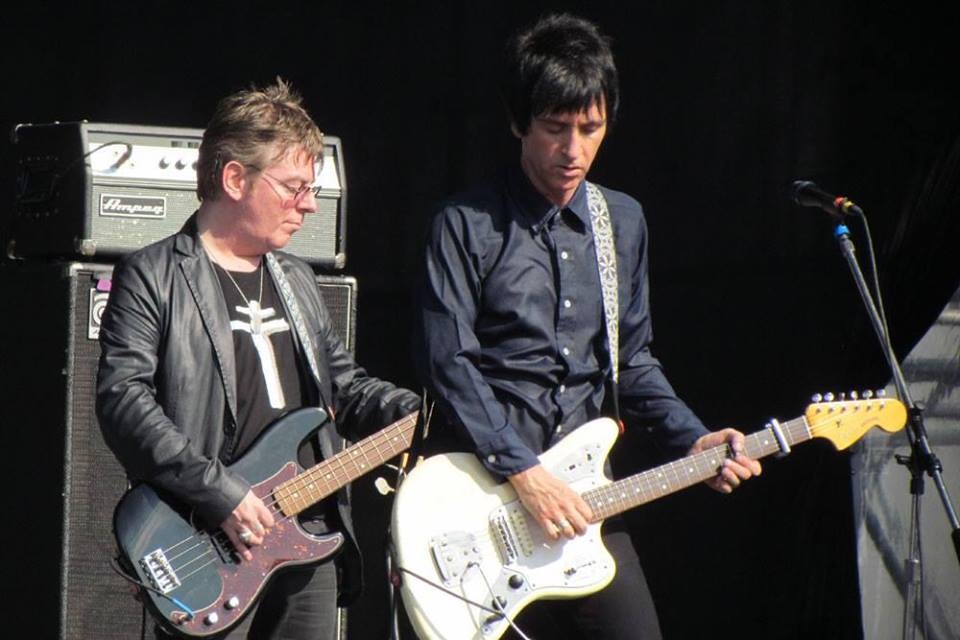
166,388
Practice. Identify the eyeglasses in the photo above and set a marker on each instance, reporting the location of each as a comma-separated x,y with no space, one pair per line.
294,194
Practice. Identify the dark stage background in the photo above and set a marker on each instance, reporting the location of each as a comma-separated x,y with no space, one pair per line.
724,104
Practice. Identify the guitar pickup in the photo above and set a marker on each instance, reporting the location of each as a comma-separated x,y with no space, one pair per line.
158,569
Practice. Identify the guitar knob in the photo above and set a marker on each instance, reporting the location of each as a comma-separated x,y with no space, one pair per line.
232,602
499,603
211,619
515,581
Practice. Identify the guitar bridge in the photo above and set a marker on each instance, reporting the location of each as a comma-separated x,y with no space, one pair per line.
454,552
158,569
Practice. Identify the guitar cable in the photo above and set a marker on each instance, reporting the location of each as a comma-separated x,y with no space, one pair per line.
499,613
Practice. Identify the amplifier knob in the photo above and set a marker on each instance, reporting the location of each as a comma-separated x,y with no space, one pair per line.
181,163
164,163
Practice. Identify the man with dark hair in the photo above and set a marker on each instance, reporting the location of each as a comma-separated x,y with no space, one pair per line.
514,339
213,333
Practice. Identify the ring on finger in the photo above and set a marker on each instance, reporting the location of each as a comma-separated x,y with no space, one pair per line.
245,535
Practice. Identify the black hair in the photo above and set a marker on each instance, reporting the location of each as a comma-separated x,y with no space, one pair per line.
561,64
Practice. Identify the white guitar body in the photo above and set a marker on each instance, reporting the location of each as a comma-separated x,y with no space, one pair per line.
454,525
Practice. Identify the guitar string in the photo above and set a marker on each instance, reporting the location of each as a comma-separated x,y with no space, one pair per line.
796,430
341,476
791,426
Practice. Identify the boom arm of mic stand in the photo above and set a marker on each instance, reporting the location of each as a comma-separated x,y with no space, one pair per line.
924,458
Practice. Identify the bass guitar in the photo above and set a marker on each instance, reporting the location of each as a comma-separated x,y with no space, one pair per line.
190,577
471,557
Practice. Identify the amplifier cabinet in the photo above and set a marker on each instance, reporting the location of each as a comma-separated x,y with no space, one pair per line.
95,191
65,481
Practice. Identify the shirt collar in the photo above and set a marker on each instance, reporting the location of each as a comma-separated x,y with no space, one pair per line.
536,208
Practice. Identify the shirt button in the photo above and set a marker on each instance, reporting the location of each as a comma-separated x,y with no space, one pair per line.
491,458
563,388
564,255
567,304
566,351
559,428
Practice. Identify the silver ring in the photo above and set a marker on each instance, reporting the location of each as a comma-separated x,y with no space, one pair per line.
245,536
563,524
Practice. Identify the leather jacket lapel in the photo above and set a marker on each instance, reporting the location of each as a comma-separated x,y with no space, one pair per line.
205,288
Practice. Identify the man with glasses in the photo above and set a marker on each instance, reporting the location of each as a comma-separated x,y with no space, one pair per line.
213,333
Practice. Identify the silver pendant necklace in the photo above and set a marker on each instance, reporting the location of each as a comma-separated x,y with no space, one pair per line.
242,294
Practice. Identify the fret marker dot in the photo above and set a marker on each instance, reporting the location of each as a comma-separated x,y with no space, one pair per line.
664,487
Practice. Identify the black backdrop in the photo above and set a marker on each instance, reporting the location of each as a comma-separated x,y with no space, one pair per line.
724,103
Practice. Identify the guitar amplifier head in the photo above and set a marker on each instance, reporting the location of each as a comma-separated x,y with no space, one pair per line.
97,191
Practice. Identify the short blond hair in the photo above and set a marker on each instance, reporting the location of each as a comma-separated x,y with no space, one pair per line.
254,127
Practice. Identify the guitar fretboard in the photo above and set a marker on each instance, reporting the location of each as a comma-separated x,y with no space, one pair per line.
323,479
647,486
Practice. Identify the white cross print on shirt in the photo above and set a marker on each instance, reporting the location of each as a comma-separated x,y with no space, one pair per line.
261,331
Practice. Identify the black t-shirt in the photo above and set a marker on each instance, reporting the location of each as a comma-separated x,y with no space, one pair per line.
270,378
270,382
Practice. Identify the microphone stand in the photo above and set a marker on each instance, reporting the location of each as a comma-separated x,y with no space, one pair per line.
921,459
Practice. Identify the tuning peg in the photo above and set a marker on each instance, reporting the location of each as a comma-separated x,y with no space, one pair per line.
867,394
828,397
854,395
881,393
843,396
816,398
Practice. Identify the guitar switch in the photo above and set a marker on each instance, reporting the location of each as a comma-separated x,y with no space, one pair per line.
232,602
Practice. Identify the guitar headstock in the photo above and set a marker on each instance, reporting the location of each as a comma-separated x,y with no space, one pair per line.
843,421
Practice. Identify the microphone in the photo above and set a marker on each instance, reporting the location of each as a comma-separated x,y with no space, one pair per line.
808,194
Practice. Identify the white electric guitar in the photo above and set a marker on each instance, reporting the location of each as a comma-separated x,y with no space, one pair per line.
470,556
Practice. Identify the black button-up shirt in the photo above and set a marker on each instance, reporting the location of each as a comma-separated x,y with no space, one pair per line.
511,337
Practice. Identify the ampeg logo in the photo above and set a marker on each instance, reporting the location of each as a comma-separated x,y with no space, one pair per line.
98,302
133,206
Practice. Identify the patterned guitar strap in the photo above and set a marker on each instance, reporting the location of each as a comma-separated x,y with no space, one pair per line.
607,267
306,343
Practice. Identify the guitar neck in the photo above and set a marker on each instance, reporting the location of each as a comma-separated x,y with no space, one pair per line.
327,477
644,487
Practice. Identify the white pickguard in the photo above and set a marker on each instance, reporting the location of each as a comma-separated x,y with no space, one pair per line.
455,526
